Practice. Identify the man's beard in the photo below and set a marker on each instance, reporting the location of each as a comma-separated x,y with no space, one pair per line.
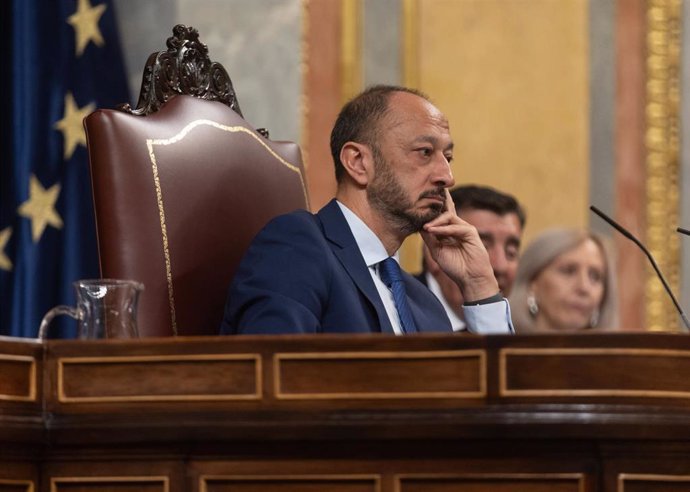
386,194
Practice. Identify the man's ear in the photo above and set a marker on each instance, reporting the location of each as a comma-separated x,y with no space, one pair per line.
357,161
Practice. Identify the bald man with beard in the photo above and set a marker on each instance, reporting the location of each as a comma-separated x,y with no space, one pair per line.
335,271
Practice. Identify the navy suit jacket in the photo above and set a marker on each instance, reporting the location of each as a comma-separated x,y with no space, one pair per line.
303,273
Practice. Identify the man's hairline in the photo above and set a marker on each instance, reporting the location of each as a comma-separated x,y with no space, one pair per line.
469,208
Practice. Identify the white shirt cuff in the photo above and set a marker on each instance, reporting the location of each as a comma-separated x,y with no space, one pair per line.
489,319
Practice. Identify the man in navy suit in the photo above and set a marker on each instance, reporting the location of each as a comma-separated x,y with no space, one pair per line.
332,273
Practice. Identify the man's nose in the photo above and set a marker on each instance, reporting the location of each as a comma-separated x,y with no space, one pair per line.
498,260
443,176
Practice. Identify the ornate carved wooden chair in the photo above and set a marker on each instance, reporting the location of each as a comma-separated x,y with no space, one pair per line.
181,185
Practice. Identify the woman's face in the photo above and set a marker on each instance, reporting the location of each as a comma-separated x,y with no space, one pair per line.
570,289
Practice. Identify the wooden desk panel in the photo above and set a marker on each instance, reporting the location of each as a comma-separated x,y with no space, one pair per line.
17,486
389,375
158,378
595,372
347,413
109,484
20,373
290,483
492,482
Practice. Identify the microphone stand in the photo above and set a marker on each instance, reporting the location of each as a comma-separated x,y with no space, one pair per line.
627,234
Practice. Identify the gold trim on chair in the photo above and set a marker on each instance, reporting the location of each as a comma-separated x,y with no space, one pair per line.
150,143
164,232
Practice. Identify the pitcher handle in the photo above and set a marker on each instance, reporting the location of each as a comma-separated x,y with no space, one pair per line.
56,311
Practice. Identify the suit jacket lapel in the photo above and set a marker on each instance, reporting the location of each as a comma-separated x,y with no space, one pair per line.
345,248
427,310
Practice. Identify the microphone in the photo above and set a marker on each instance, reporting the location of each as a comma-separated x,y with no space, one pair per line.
627,234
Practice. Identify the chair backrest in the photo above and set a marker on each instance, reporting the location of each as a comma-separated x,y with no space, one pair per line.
181,184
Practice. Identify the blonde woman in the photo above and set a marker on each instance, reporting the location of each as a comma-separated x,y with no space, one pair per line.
564,283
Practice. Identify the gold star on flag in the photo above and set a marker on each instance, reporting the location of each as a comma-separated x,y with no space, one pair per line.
71,125
85,24
5,263
40,207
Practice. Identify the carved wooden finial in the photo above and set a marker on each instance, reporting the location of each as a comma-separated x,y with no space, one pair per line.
184,68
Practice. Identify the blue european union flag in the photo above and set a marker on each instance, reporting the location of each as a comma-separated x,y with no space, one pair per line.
65,61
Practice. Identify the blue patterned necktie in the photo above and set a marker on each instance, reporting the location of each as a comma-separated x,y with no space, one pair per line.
389,270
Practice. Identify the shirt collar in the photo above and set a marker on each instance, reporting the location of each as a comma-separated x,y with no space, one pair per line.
369,244
455,321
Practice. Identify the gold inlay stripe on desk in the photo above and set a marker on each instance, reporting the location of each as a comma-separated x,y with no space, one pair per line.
603,372
374,479
577,478
30,487
476,386
30,376
648,477
56,481
65,363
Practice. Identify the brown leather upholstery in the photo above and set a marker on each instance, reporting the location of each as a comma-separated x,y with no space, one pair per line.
178,195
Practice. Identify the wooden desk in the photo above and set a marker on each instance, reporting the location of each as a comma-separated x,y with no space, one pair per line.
347,414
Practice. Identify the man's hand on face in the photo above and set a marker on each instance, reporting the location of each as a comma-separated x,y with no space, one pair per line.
456,247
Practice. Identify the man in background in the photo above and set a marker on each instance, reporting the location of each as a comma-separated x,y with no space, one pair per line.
500,221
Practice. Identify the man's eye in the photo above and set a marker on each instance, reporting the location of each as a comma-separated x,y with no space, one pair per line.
425,151
449,158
